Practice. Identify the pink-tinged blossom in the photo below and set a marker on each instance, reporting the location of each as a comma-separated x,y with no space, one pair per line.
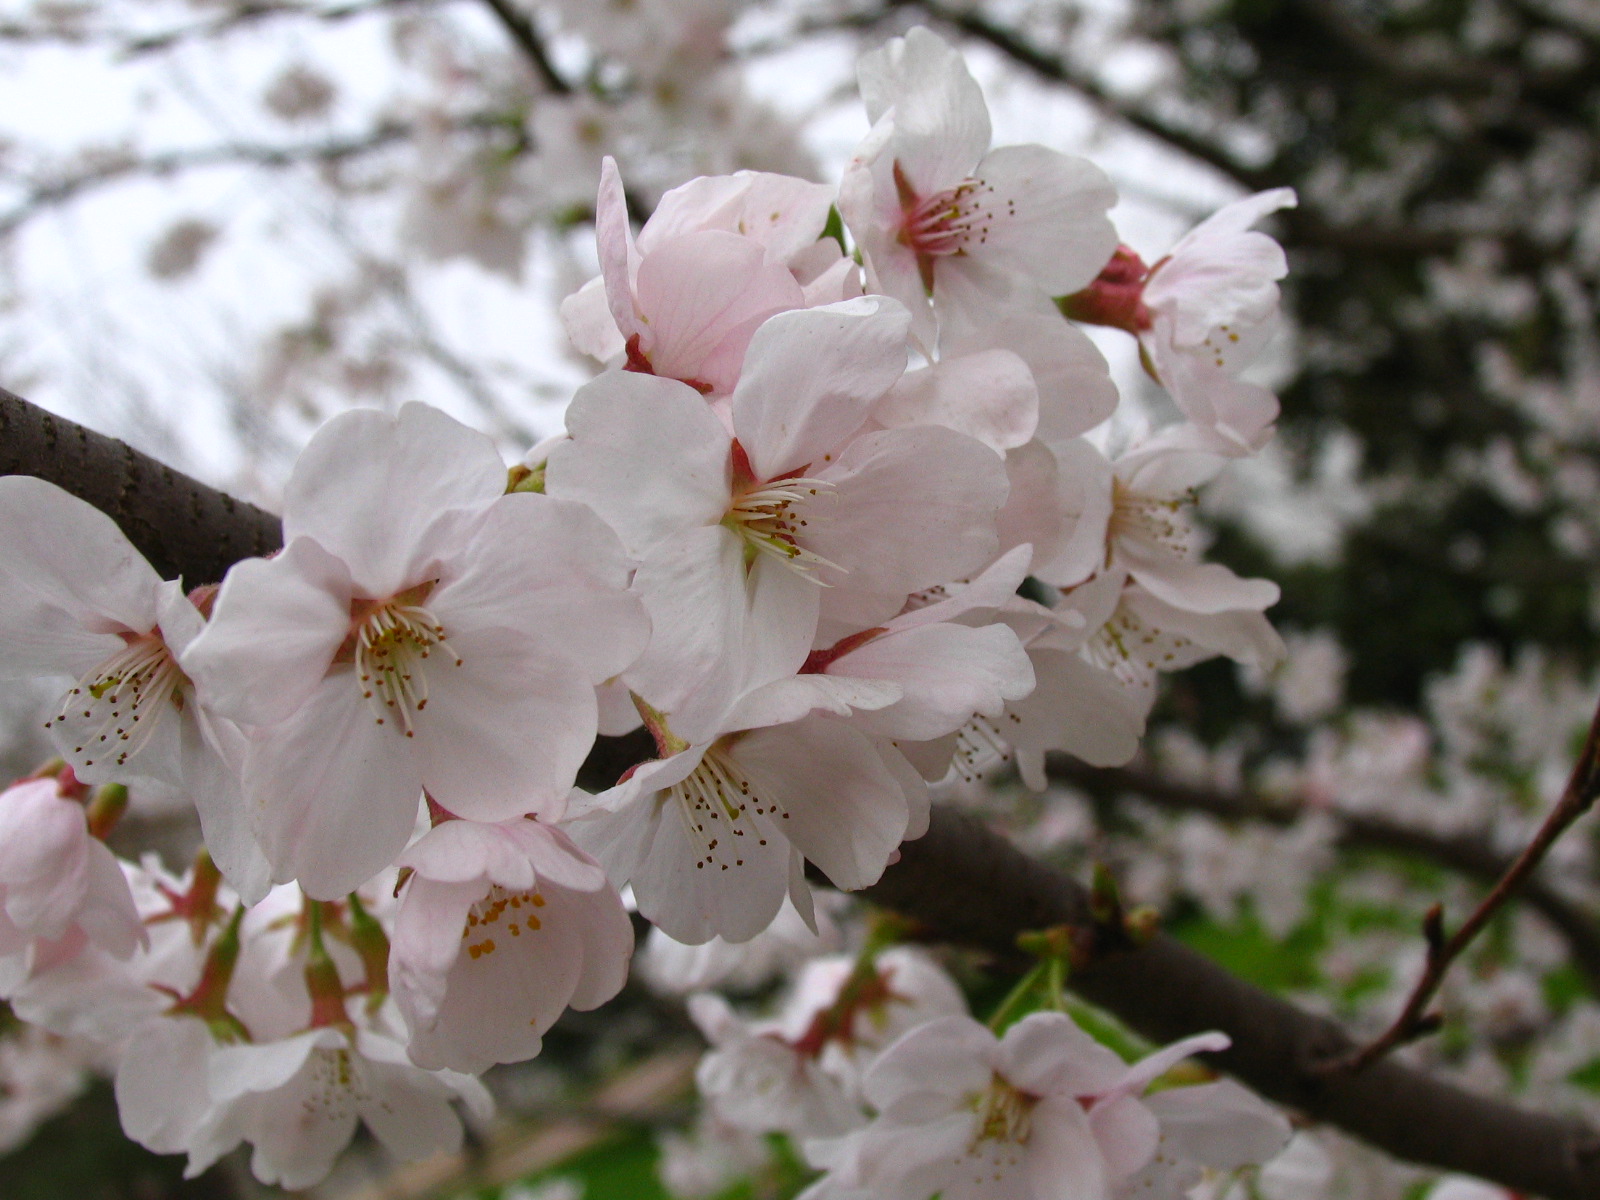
297,1101
746,538
1203,314
947,225
61,890
757,1081
799,1072
77,601
421,629
715,833
947,670
1133,515
707,269
499,929
1045,1111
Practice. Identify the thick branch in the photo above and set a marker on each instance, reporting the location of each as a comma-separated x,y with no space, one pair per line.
1466,854
966,883
970,885
183,527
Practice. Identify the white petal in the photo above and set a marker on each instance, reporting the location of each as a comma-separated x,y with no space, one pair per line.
505,732
941,122
589,323
647,454
989,395
845,811
551,569
335,794
272,635
947,672
703,295
810,377
1046,216
1219,1125
368,486
915,508
70,582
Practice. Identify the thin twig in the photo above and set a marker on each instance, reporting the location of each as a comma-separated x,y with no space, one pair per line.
1583,787
1467,854
526,35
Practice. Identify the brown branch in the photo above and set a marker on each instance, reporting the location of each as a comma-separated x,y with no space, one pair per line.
967,884
1467,854
183,527
521,29
1583,787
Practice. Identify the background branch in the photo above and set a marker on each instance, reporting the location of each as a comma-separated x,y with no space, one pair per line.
1466,854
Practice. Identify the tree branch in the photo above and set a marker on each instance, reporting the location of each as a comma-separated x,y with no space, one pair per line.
972,22
965,882
521,29
1577,798
183,527
1463,853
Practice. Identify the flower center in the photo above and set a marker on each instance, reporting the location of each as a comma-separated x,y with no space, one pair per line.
980,746
945,223
770,518
1154,520
500,914
1005,1114
392,643
722,812
1134,651
113,711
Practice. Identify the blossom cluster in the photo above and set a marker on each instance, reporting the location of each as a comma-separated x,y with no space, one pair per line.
845,515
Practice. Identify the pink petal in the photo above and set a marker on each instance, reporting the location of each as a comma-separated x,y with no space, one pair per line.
368,487
272,635
846,811
810,378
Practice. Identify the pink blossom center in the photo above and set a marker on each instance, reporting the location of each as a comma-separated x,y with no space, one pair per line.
946,223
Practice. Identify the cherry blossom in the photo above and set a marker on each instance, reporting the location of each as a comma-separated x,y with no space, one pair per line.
78,601
941,217
499,929
715,833
707,269
420,630
1046,1110
746,539
1202,314
60,888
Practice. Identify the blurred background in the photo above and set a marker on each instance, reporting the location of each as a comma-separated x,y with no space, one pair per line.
222,221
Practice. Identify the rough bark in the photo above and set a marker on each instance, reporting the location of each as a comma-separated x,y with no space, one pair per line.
182,526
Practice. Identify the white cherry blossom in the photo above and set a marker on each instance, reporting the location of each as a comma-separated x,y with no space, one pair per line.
420,630
1044,1111
499,929
78,601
